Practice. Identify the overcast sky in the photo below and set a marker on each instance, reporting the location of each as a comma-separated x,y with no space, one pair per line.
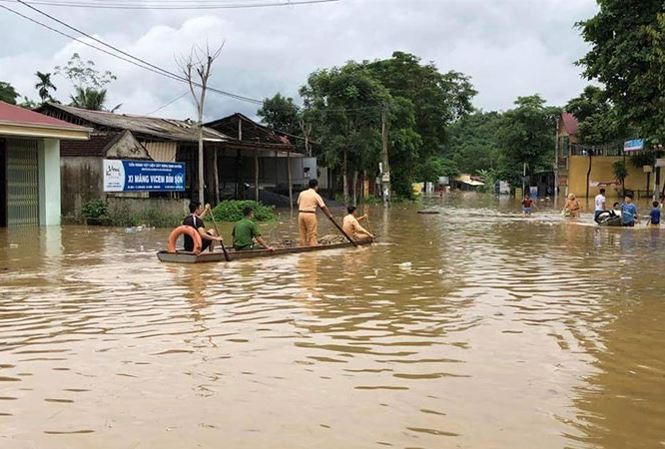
508,47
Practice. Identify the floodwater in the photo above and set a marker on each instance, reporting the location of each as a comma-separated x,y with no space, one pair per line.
474,328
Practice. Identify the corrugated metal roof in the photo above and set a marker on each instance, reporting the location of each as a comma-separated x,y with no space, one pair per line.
570,123
179,130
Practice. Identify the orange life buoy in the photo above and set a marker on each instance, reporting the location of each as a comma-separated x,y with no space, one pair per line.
185,230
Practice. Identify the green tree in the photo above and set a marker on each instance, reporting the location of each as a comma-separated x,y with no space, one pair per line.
627,55
438,98
89,90
281,114
28,103
620,172
344,105
44,86
472,142
598,122
91,99
7,93
527,137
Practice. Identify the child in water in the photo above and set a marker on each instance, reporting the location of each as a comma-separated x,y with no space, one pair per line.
654,215
629,212
527,205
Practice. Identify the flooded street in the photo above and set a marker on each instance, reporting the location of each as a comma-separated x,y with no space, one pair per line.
474,328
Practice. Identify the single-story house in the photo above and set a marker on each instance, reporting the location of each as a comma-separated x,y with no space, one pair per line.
123,136
30,165
237,152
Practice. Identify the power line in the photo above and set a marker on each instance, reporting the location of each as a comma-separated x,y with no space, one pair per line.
160,5
168,104
141,63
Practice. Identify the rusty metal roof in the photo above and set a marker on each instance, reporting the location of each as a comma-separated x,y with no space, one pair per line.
168,129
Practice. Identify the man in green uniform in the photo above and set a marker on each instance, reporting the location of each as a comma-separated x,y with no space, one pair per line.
245,232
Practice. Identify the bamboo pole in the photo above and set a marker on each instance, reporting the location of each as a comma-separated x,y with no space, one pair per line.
256,175
288,171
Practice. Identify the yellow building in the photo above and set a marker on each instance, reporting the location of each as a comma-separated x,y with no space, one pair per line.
584,170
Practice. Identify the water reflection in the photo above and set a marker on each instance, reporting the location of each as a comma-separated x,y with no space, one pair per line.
472,328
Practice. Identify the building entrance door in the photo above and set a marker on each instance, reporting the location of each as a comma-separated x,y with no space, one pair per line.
22,164
3,184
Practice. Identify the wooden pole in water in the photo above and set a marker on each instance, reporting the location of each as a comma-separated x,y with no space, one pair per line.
288,171
256,175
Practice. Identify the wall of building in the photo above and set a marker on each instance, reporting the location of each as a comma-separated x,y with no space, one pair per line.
82,182
602,170
166,206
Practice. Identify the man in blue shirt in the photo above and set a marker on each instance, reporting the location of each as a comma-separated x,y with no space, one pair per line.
629,212
655,214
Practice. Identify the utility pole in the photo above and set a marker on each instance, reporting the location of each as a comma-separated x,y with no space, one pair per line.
556,159
385,175
524,180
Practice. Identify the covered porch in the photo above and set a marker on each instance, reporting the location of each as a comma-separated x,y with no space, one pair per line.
30,166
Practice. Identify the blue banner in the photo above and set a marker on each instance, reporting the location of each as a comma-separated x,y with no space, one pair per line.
143,176
633,145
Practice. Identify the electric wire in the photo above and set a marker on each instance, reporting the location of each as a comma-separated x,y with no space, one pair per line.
174,6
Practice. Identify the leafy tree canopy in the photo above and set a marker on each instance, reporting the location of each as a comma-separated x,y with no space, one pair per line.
627,55
527,136
280,113
7,93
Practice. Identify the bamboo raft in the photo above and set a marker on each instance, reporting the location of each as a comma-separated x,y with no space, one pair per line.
218,256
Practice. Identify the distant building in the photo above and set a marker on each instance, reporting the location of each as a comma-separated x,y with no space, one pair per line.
238,153
30,165
585,169
466,182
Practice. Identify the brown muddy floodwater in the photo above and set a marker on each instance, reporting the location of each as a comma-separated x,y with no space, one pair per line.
475,328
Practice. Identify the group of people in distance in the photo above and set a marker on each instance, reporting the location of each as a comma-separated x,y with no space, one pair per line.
246,234
626,210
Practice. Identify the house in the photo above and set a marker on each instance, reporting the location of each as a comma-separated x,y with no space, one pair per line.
584,169
30,165
128,137
238,153
267,158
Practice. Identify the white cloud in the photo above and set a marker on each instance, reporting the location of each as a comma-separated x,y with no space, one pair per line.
509,48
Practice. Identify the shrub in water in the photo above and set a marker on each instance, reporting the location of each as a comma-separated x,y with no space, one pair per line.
94,209
231,210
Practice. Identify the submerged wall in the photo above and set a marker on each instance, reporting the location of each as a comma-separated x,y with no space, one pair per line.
602,171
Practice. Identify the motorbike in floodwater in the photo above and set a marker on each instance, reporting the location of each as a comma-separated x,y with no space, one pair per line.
608,218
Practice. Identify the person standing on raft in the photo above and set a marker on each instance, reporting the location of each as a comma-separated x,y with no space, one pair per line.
352,227
308,201
195,220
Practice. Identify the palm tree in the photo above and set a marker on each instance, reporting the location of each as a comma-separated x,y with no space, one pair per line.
91,99
44,85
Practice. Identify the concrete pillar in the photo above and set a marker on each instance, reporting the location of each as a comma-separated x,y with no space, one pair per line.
49,182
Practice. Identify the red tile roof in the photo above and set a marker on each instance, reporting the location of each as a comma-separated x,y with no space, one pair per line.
21,116
570,123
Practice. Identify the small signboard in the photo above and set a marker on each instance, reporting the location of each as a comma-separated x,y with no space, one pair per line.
385,177
444,181
143,176
660,162
633,145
